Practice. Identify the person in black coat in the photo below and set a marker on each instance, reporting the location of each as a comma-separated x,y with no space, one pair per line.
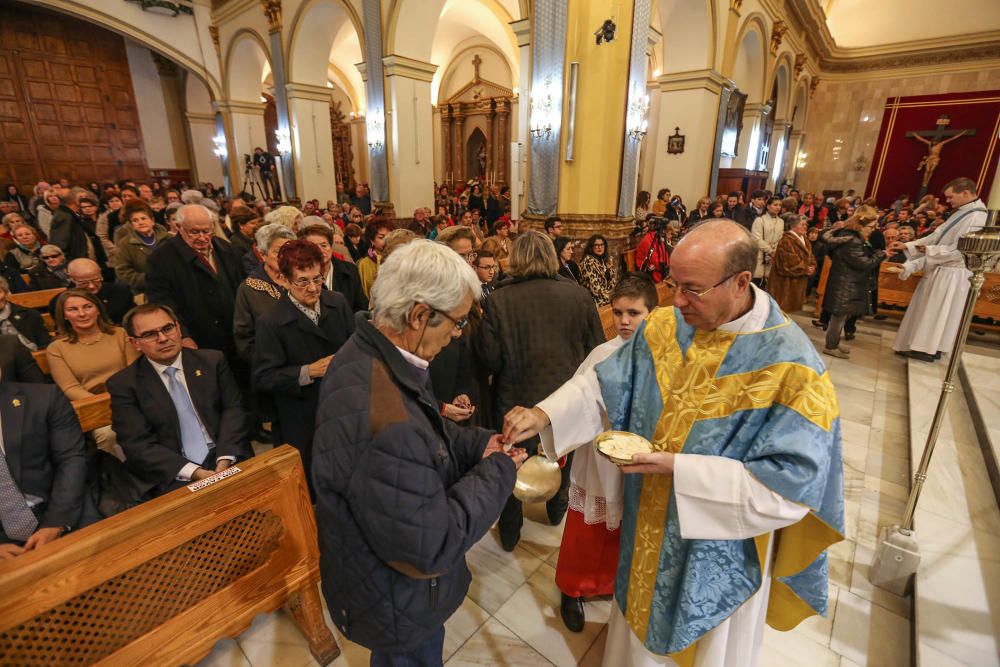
66,230
850,283
536,332
295,342
22,322
17,363
338,274
147,418
568,268
197,275
86,274
44,450
402,494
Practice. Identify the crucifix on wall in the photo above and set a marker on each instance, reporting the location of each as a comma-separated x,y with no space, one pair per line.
935,140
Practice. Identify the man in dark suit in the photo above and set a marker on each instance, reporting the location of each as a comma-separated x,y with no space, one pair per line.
197,275
177,412
16,362
43,468
65,230
25,323
86,274
747,215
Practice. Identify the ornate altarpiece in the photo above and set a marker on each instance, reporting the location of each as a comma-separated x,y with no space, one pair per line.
475,131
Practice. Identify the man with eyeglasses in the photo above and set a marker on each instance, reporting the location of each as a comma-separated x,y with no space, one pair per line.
486,268
86,274
554,228
743,487
197,274
178,412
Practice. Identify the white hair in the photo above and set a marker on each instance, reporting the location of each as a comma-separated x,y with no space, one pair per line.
420,272
191,197
184,210
268,234
311,220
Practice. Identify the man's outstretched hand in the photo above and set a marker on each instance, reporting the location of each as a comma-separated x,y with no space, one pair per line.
522,423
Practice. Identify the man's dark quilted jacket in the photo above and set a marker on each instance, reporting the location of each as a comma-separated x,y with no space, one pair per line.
533,337
401,496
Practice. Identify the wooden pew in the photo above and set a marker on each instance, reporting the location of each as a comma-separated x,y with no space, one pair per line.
93,412
159,584
42,360
39,298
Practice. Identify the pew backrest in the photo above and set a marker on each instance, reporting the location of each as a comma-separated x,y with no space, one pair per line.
160,583
93,412
42,360
38,298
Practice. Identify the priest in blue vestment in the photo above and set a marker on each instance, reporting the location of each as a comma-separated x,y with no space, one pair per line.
725,525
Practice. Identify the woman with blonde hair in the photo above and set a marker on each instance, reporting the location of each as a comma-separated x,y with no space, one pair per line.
849,286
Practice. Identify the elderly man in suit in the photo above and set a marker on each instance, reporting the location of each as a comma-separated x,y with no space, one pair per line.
86,274
197,275
43,468
176,411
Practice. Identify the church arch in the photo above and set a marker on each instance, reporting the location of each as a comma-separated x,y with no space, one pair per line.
331,27
246,61
410,23
447,86
799,109
782,80
689,34
749,68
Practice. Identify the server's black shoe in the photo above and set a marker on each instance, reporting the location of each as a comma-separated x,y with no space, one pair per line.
572,613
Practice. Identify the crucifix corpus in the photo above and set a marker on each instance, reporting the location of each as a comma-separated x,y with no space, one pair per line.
935,140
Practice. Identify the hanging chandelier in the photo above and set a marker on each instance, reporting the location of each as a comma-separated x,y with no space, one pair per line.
165,7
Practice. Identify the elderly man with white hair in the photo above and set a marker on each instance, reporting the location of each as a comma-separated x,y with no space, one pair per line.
401,493
197,275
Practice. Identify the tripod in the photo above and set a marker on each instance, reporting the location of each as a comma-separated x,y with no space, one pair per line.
658,247
252,180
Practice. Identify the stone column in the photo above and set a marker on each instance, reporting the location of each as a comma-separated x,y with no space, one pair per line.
411,136
518,179
272,10
376,127
690,101
459,143
502,162
796,141
312,142
445,144
243,123
205,165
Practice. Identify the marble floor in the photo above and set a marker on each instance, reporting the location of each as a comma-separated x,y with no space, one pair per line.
510,616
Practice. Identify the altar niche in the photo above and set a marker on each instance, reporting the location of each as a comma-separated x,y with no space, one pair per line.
475,132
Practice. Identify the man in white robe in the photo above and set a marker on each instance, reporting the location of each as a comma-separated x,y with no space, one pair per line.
935,312
691,594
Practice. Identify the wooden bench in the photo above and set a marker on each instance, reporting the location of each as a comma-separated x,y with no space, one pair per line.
38,299
93,412
42,360
161,583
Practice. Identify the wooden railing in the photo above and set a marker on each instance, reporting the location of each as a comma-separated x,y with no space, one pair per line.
159,584
93,412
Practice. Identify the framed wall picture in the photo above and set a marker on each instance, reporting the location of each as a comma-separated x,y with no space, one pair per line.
675,142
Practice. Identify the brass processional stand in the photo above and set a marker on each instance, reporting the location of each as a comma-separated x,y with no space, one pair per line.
898,555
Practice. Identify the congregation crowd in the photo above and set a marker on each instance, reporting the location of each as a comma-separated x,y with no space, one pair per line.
390,353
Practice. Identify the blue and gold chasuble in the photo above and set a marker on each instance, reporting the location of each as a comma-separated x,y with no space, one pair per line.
763,398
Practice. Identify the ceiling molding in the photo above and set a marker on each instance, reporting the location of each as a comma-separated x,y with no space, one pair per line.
808,17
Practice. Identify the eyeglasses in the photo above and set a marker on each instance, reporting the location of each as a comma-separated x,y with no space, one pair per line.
692,294
469,256
459,324
491,269
598,245
88,283
166,331
198,232
303,283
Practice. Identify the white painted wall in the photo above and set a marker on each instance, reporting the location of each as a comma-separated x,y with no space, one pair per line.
152,109
686,174
313,147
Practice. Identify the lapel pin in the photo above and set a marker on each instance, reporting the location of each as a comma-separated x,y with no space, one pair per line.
16,402
197,373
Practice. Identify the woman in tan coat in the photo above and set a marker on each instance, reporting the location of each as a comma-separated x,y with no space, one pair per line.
792,265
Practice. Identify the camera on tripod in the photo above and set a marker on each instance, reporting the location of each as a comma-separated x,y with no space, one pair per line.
248,161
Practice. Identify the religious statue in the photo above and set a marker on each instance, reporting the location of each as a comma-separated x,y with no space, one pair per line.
930,162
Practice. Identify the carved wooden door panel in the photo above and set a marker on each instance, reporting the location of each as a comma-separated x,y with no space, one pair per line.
73,93
343,156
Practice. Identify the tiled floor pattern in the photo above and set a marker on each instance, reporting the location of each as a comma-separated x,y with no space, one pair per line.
510,616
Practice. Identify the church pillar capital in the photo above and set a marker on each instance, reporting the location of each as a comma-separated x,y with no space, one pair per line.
363,69
700,79
272,11
305,91
240,107
213,32
396,65
522,31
